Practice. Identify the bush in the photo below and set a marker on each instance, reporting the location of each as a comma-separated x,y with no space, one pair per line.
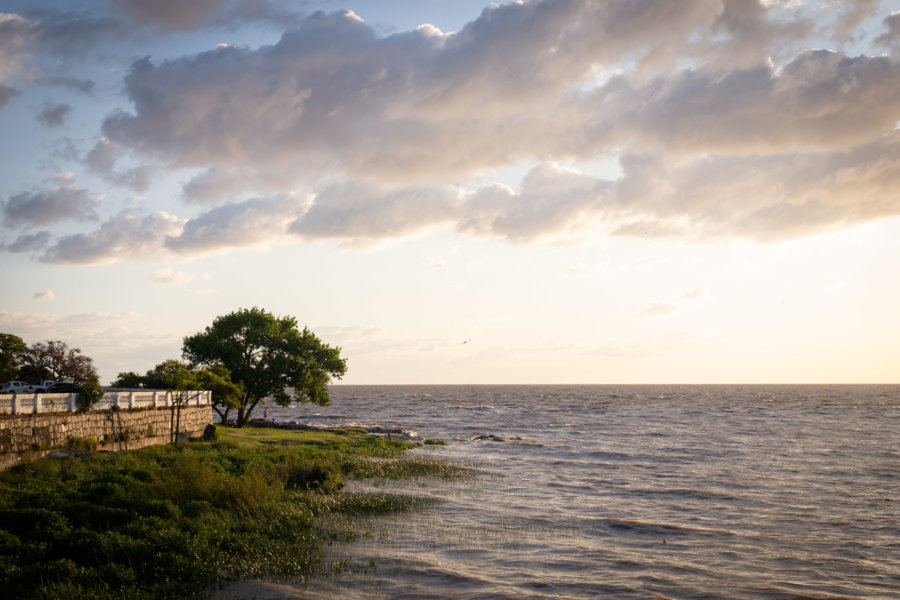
90,394
320,475
79,443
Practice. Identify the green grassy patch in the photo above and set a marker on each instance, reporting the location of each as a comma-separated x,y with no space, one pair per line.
166,522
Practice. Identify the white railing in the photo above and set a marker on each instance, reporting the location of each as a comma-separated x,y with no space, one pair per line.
17,404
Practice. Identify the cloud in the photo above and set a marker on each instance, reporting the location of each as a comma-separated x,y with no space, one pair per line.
74,84
45,295
6,94
764,198
819,100
891,37
363,212
32,242
683,302
15,32
124,236
169,15
102,160
54,115
553,201
218,184
49,206
332,95
251,222
168,275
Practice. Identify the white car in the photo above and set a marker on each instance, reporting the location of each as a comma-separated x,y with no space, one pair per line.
16,387
42,387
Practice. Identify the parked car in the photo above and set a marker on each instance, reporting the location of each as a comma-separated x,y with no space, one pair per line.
16,387
44,386
64,388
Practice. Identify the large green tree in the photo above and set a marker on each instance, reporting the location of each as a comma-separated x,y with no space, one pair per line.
267,355
12,353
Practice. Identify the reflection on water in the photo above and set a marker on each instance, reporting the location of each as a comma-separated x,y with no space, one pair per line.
635,492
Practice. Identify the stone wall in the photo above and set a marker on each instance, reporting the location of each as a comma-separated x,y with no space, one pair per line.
113,429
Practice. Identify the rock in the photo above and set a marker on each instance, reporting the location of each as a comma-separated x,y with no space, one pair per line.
209,434
489,437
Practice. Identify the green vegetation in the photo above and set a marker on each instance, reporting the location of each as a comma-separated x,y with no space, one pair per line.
90,394
167,522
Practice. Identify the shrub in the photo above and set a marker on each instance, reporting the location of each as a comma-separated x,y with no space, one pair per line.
79,443
90,394
321,475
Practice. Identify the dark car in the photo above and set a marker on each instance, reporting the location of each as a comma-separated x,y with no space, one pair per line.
64,388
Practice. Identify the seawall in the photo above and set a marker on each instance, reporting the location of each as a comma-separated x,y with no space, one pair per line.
115,429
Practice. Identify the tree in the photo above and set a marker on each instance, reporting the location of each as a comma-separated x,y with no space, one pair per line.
90,394
55,360
267,355
226,394
129,379
179,379
12,353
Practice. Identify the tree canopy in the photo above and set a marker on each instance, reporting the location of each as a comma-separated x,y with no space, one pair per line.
12,354
268,356
53,360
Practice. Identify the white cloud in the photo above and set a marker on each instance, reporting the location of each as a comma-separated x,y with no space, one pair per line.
49,206
15,31
332,96
45,295
251,222
124,236
361,211
168,275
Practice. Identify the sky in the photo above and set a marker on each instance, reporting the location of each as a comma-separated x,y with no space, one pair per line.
565,191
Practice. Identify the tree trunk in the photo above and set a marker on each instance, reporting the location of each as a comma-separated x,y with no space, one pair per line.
177,424
172,425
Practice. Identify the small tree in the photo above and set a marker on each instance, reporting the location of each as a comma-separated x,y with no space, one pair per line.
267,355
178,378
90,394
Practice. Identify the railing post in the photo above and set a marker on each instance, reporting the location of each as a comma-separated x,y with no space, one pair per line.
115,401
37,403
130,399
155,399
14,405
70,402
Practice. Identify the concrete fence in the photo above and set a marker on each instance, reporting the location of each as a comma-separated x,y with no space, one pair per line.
19,404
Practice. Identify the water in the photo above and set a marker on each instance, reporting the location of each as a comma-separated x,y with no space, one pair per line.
635,492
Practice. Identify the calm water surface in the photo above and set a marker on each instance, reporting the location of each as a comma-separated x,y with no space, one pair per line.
636,492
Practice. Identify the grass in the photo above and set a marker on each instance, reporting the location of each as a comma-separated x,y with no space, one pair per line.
167,522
